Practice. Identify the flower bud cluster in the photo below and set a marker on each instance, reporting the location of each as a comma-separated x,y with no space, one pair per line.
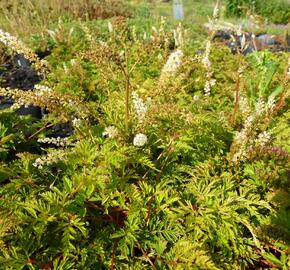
244,106
140,140
20,48
46,98
271,103
216,12
141,109
88,34
110,27
140,106
208,86
241,140
260,106
210,82
111,132
205,60
263,139
19,103
134,34
76,122
178,36
55,141
49,159
41,90
249,136
159,35
263,107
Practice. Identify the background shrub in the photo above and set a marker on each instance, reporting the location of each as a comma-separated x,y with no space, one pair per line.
237,7
275,11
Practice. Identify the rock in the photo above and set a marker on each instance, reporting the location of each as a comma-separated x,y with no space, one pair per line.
19,74
5,103
61,130
30,110
20,61
22,77
222,36
267,40
248,42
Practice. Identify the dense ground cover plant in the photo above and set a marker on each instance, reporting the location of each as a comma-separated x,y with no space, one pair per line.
177,160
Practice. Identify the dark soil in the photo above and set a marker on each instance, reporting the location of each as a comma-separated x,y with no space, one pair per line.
18,73
24,78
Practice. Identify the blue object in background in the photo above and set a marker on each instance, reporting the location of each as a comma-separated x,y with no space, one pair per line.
178,12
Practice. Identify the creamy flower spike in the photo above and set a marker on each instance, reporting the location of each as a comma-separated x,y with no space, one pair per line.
249,136
178,36
244,106
140,106
110,27
207,65
140,140
76,122
263,139
111,132
173,63
41,89
216,12
50,158
56,141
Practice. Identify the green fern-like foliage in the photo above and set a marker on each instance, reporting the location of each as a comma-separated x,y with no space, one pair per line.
177,199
